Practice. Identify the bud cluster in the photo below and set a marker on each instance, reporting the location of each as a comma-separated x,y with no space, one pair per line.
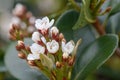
22,24
50,52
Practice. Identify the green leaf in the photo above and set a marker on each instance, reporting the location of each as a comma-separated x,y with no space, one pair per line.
94,56
19,68
87,36
81,20
65,23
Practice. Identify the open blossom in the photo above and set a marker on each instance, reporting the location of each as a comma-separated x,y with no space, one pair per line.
36,36
68,47
52,46
37,49
44,23
33,56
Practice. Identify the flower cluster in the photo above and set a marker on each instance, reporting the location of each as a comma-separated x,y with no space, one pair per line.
50,52
22,24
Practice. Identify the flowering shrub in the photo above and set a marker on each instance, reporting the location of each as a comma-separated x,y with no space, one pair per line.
50,53
56,52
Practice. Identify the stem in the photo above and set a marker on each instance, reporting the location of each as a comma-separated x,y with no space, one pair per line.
98,26
74,4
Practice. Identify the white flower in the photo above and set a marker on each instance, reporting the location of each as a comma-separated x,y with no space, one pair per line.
36,36
16,20
43,40
68,47
44,23
19,10
33,56
36,50
52,46
54,31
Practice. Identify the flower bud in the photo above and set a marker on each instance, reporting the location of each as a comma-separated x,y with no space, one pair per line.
28,48
21,44
11,37
61,36
65,56
22,55
54,32
19,10
31,63
12,30
71,61
58,64
18,48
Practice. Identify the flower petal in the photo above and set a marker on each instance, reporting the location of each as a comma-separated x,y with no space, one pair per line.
68,48
36,36
52,46
33,56
51,22
37,49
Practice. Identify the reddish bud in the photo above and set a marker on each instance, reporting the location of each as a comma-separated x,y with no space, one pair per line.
11,37
21,44
61,36
71,61
31,63
28,48
18,48
58,64
22,55
108,9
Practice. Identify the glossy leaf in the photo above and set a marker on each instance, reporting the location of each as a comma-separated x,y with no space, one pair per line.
65,23
87,36
85,33
19,68
94,56
81,20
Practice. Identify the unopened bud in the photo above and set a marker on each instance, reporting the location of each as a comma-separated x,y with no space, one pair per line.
28,15
19,10
61,36
12,30
108,9
71,61
28,48
18,48
58,64
11,37
21,36
31,63
65,56
54,31
22,55
21,44
64,40
15,26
